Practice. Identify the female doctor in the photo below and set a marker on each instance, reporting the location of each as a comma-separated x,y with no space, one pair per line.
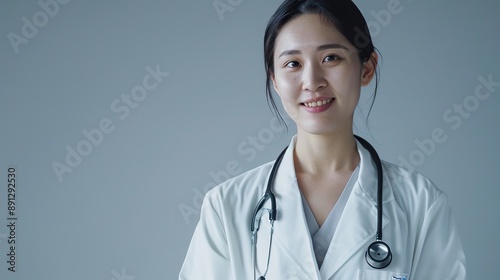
318,211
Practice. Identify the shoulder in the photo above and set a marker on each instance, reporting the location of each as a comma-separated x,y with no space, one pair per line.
234,200
411,188
247,184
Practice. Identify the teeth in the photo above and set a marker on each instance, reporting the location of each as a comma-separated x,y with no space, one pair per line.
318,103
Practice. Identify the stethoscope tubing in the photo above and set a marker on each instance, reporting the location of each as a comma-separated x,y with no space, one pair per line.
379,245
268,194
378,165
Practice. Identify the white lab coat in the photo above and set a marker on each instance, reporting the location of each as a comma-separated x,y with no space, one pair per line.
417,225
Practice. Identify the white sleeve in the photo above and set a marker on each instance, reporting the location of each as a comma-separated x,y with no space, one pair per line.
439,253
207,257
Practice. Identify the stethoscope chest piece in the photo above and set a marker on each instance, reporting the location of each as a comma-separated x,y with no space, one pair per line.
378,255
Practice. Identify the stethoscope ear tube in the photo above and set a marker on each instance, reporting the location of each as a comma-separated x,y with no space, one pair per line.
269,193
260,205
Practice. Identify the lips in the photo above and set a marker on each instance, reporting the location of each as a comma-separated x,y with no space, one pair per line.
318,103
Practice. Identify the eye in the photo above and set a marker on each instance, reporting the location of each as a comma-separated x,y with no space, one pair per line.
332,57
292,64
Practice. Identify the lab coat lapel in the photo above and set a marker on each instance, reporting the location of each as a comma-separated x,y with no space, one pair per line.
291,230
357,226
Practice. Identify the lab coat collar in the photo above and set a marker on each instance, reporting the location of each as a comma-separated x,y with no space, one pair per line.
368,180
291,231
357,226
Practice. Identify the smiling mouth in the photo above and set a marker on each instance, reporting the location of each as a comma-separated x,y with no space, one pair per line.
318,103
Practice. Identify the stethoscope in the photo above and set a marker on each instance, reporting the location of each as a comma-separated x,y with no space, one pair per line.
378,255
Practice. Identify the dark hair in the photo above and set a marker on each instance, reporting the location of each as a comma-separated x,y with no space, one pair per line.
343,14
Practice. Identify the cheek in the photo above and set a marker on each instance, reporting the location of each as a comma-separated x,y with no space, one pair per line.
287,87
347,82
288,93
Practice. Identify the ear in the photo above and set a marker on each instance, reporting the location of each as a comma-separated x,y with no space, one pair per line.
368,69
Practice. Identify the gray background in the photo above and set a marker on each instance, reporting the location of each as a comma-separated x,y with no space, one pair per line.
119,213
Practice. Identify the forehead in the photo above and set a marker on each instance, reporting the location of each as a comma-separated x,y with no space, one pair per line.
308,31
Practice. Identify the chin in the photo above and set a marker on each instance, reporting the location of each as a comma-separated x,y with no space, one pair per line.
319,130
329,128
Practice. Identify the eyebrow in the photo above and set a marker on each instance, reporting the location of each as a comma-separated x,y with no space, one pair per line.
319,48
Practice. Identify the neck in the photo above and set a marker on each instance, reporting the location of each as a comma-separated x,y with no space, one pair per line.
325,154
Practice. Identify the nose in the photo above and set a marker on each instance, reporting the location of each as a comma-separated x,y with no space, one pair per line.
313,78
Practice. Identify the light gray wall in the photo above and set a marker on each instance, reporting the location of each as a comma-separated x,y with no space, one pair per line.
118,212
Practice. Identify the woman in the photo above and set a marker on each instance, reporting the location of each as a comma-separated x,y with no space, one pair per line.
318,55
